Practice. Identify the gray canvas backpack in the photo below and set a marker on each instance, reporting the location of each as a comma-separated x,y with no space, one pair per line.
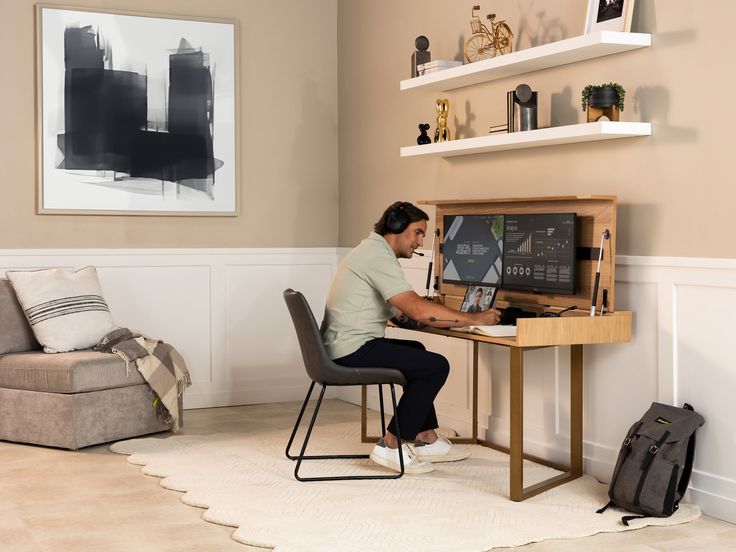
655,462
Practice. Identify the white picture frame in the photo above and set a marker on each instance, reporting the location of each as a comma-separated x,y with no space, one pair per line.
609,15
136,113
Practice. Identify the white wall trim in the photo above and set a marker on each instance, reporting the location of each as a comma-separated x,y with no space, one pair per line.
675,262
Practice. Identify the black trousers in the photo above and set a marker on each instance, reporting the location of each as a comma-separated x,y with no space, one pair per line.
425,374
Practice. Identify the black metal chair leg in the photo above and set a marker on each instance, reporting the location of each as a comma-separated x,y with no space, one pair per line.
298,421
398,431
309,433
383,415
303,456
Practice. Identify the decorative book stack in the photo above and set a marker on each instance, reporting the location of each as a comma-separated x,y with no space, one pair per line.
437,65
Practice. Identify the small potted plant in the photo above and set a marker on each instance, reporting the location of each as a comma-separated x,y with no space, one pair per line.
603,100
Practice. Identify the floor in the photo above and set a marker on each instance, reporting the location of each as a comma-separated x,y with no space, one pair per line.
91,500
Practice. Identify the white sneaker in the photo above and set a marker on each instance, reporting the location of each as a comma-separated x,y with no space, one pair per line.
389,458
442,450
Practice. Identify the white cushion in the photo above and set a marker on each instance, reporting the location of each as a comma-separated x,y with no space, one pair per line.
65,308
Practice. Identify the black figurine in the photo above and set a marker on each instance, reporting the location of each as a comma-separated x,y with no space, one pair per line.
424,138
421,55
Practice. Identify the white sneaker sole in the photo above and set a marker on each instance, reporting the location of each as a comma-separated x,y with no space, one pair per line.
409,469
452,456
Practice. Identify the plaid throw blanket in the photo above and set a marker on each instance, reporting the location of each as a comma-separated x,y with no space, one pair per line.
160,365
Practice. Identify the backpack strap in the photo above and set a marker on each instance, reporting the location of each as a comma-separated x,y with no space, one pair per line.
687,469
626,449
627,519
623,453
653,450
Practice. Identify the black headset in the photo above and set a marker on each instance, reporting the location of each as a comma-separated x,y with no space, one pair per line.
397,219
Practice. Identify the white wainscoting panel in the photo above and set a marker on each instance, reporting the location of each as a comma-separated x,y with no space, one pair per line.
262,354
221,308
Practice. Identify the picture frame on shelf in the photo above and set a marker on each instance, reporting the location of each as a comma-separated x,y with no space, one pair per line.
137,113
609,15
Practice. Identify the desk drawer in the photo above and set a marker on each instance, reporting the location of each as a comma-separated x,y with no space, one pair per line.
574,330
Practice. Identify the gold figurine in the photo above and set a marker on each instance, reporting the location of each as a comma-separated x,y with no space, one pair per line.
442,133
484,44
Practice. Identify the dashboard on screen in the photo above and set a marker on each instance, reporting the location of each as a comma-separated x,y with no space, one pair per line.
539,252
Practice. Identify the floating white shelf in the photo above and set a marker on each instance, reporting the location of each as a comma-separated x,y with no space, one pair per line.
585,132
571,50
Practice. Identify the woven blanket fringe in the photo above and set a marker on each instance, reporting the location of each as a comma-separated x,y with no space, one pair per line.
122,355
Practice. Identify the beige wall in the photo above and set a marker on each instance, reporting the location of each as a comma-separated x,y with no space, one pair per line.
676,189
288,134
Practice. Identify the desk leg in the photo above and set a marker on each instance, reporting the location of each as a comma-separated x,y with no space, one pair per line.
517,492
363,414
516,444
576,409
475,392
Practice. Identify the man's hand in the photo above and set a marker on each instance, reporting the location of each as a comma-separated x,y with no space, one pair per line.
491,317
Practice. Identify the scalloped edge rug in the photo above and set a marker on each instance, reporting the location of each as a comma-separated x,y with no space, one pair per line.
244,481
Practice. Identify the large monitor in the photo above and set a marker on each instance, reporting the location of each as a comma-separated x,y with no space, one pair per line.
472,249
539,253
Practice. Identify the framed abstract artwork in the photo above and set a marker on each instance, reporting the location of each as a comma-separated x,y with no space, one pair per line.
136,113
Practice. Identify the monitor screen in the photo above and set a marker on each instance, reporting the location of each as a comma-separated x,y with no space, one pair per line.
472,249
539,253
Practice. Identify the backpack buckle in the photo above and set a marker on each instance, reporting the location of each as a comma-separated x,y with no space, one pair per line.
627,441
654,449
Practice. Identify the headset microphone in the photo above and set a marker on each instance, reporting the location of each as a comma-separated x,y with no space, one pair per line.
418,253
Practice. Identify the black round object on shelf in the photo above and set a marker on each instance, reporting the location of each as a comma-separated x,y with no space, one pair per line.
603,97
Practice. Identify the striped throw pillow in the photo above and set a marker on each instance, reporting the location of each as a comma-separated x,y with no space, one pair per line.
65,308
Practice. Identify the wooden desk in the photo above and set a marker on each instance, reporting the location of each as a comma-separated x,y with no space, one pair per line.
534,333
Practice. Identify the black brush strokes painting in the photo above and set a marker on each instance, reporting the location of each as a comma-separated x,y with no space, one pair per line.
106,123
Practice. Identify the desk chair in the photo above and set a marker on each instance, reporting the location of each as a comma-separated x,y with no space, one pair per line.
321,369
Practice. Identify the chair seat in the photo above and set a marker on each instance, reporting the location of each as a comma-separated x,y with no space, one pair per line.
347,375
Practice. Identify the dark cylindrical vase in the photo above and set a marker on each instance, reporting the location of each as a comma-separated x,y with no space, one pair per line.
603,97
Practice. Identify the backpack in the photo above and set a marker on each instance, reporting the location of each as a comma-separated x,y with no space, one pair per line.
655,462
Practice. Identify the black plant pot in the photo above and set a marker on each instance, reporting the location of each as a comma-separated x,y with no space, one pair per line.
603,97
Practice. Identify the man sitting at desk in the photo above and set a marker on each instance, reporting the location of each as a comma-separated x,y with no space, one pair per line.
369,288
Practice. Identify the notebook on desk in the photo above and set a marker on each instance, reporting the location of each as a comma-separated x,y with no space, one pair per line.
501,330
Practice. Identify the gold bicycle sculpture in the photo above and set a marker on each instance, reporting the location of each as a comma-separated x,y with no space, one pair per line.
484,43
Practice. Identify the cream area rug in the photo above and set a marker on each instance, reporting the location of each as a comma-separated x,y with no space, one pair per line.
244,481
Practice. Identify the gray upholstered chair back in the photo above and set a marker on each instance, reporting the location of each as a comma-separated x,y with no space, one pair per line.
318,364
307,332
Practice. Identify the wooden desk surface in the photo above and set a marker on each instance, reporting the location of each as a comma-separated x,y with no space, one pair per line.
565,330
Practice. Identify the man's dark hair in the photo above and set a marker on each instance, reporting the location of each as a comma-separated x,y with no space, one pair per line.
397,217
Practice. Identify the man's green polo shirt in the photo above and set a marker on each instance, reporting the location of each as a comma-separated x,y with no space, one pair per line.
357,304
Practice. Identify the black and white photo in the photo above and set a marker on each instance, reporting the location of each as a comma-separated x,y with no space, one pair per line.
609,15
